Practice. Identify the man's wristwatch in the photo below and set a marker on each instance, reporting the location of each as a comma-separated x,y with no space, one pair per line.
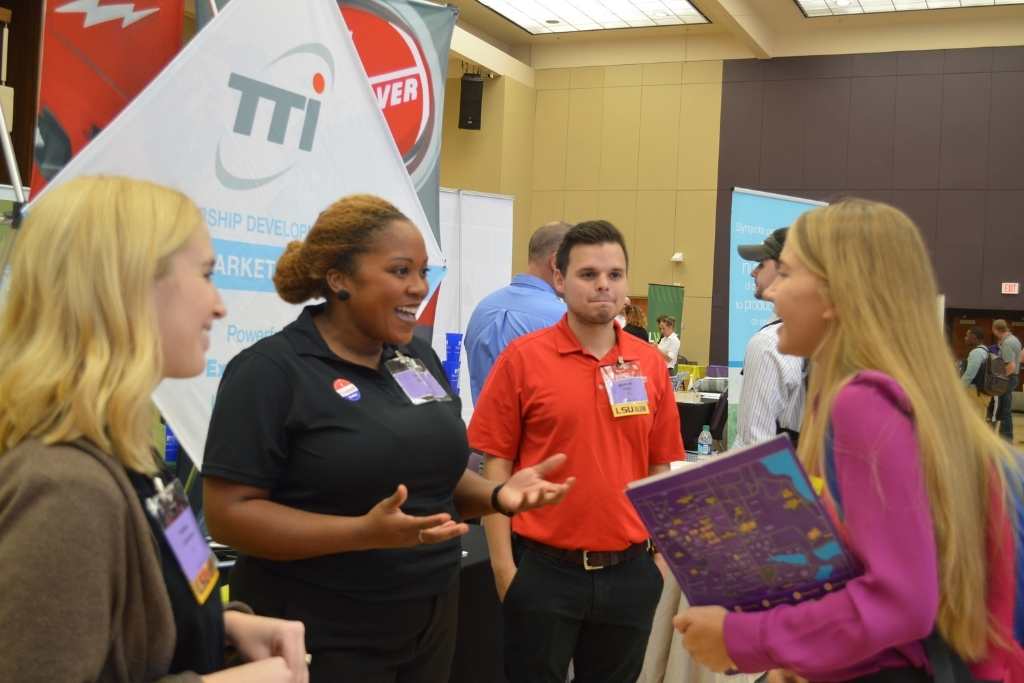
495,505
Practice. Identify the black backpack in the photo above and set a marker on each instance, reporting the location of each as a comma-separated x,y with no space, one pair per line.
992,378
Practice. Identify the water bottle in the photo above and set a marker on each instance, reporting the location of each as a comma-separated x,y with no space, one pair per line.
704,442
171,447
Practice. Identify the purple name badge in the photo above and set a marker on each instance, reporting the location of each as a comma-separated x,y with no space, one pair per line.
628,390
435,387
169,508
188,544
414,386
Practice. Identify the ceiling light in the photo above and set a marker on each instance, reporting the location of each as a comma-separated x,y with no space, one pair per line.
823,8
561,16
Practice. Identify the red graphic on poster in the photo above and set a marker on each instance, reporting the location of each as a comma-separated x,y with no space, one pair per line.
97,56
396,67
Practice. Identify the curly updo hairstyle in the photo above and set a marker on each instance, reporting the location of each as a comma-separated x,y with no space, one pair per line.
345,229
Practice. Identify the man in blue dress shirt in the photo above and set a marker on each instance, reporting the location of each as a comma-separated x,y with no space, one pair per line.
529,303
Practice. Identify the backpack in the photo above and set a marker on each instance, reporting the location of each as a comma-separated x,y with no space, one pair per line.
992,378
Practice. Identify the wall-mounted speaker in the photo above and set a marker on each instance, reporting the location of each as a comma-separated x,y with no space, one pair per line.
471,100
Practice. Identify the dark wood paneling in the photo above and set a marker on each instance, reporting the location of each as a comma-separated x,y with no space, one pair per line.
830,195
782,140
1004,228
881,64
740,141
719,353
958,277
937,134
1006,140
920,62
1004,246
872,129
918,132
874,195
720,281
1008,58
788,68
959,245
826,132
830,66
998,267
975,60
961,219
965,127
921,206
743,70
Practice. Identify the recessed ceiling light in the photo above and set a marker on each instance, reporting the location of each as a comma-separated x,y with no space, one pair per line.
562,16
842,3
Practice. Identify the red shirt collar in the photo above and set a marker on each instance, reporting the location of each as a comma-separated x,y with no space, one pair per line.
566,343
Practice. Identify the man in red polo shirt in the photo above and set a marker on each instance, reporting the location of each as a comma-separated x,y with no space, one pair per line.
576,580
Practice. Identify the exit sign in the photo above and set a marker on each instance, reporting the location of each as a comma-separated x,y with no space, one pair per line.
1011,288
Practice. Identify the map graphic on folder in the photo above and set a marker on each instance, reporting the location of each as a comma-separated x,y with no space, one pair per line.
744,530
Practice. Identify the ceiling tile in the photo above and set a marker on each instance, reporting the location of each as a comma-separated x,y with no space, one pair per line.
560,16
828,8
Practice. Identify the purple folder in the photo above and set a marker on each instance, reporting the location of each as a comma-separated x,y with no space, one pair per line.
744,530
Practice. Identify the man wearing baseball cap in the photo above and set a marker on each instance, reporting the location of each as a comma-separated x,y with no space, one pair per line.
772,395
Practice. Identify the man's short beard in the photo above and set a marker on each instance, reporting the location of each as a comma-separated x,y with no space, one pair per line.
591,320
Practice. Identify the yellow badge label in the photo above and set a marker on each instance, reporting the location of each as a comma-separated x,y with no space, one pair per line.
626,409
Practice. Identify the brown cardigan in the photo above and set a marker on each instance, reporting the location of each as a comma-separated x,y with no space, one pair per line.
83,598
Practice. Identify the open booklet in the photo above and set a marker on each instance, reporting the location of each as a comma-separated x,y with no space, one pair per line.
744,530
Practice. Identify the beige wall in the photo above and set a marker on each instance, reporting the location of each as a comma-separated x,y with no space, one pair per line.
498,158
637,145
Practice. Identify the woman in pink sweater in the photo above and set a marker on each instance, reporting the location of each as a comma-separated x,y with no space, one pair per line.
916,481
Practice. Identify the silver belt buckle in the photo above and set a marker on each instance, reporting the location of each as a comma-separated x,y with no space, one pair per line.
586,562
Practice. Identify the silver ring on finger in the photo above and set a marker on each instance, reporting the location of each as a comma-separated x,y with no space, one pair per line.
419,536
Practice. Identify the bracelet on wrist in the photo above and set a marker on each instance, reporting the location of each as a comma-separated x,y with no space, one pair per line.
495,505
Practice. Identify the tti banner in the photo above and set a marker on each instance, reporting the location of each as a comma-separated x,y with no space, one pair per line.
403,46
263,119
755,215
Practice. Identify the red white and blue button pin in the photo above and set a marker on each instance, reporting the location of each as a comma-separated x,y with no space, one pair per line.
347,390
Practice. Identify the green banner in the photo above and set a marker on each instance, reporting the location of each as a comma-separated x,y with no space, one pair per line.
664,300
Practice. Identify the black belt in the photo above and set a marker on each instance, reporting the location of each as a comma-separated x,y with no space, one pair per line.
588,559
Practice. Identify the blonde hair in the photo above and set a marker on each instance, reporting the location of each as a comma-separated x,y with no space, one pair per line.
345,229
878,278
79,347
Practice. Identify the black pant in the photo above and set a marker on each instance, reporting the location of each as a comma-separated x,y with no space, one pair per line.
399,641
601,620
1004,410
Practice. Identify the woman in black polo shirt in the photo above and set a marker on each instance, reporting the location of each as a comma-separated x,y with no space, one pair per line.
339,487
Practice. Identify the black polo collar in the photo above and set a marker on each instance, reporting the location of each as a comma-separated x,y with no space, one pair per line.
305,338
